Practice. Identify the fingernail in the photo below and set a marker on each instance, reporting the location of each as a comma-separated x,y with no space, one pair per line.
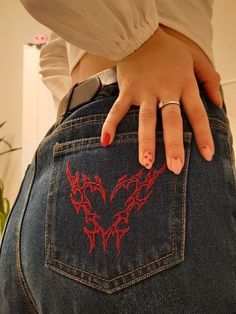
105,139
207,153
147,159
176,165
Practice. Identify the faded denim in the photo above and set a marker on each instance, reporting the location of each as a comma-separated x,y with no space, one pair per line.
92,231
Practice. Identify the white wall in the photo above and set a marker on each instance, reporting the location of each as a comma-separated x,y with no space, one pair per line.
224,45
17,27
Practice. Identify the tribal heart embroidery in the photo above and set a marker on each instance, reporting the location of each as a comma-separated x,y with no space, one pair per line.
134,202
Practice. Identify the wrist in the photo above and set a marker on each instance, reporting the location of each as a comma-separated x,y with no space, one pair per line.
152,40
196,51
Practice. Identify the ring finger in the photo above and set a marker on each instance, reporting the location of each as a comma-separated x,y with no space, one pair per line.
173,137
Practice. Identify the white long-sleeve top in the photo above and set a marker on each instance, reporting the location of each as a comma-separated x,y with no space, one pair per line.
112,29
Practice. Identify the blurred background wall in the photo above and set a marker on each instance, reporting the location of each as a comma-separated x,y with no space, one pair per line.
17,27
224,46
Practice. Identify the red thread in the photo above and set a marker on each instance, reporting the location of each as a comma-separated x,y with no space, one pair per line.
79,184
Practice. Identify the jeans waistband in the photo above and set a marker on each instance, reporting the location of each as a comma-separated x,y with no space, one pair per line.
103,84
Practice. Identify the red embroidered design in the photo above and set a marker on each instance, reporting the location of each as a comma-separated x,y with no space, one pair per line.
79,184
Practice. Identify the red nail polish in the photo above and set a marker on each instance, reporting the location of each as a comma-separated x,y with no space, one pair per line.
147,159
106,139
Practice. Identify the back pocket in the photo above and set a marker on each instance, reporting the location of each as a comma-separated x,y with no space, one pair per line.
110,222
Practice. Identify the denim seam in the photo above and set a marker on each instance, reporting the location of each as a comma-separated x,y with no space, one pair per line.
19,270
52,251
93,118
13,207
128,273
88,118
230,155
87,146
101,117
218,121
49,216
148,273
79,123
81,120
184,198
92,142
109,291
218,126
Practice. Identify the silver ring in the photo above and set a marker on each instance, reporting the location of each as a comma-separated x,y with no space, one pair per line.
162,103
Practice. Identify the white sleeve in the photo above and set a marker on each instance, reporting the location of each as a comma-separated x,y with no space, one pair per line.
112,29
54,67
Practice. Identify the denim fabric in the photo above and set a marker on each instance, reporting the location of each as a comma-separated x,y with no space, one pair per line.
92,231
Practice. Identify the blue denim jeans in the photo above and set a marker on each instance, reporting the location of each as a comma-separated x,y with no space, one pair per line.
93,231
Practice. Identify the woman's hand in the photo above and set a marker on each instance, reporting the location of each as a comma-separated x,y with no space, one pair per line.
164,68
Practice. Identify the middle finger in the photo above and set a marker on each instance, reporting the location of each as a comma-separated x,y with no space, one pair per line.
147,132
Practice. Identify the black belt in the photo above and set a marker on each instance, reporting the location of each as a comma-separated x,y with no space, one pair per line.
84,92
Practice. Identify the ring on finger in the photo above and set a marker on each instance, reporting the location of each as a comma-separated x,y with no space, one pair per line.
162,103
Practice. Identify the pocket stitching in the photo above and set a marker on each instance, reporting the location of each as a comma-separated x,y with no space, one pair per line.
89,119
91,142
52,249
121,286
148,273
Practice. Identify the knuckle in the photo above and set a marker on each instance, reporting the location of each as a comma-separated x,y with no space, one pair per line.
173,146
203,134
214,77
115,108
165,82
190,81
126,93
198,114
148,113
146,140
171,114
